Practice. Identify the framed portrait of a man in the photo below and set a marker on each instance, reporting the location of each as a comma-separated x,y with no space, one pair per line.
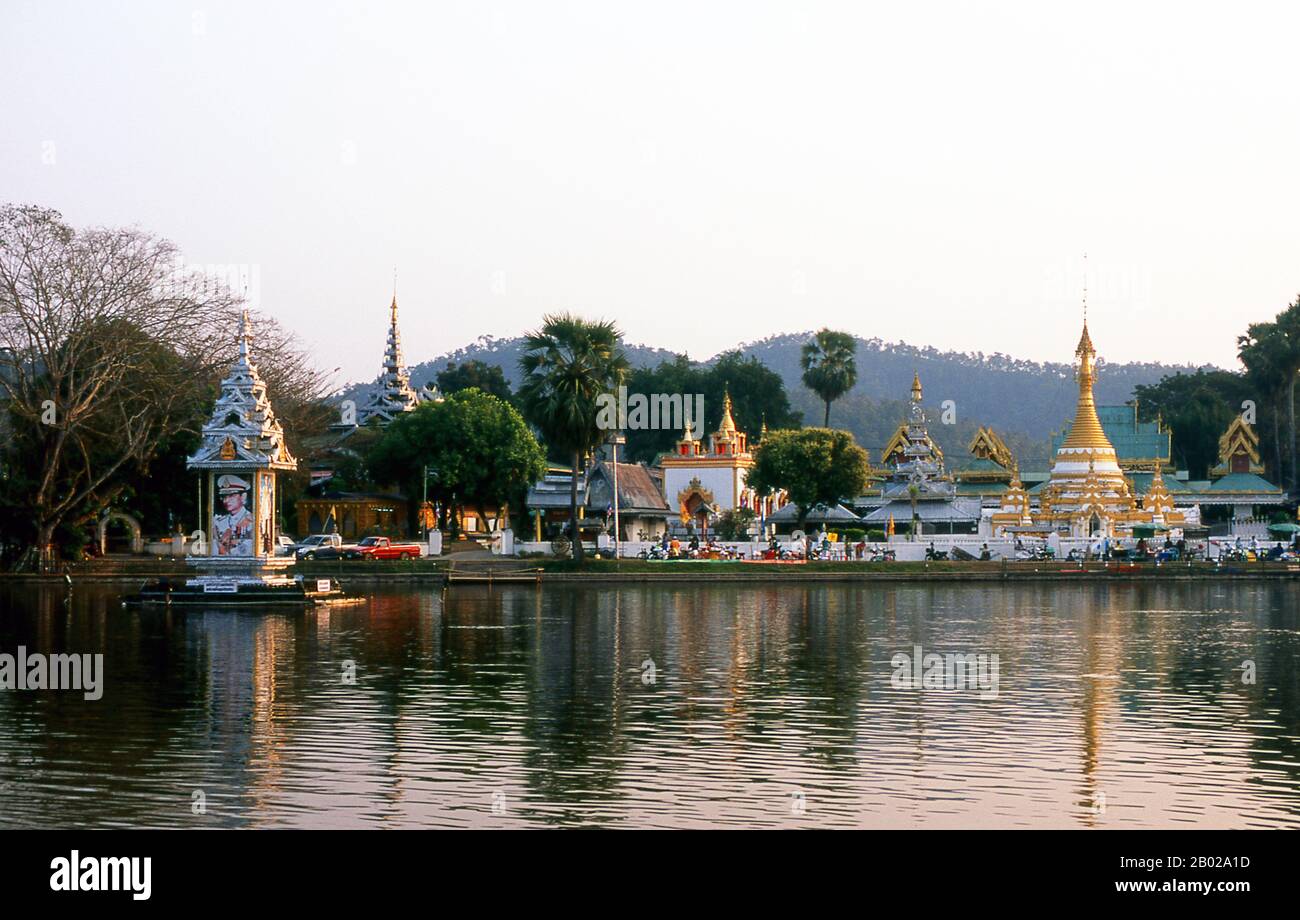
232,516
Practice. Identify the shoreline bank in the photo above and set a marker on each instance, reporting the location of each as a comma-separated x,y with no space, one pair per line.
443,573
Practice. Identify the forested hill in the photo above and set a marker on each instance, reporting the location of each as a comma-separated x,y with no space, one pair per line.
1015,397
1025,401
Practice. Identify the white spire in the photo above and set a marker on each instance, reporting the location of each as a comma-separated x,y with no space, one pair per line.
393,394
242,431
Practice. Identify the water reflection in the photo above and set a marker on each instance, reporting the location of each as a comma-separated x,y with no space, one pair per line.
1119,705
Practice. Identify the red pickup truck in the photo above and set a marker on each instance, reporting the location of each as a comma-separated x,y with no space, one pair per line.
383,548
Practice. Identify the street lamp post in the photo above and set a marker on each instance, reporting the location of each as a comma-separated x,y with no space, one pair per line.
616,439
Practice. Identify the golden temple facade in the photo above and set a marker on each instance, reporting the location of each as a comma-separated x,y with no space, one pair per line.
1088,493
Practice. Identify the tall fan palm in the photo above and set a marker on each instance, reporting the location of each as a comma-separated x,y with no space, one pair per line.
567,364
1288,326
829,367
1265,354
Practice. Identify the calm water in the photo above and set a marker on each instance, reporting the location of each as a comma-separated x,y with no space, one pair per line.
1118,706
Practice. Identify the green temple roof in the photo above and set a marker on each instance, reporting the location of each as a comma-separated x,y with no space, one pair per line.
982,465
1132,440
1245,483
1142,483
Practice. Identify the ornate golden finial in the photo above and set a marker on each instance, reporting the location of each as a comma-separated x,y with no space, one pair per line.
728,424
916,386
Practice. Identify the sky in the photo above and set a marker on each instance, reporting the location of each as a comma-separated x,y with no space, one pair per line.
703,173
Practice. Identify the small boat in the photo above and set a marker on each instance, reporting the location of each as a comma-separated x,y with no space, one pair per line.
239,592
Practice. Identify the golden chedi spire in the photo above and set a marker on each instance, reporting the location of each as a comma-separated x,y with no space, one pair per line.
728,424
1086,431
916,386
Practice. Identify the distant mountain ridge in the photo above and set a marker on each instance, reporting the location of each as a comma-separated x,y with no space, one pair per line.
1014,396
1026,401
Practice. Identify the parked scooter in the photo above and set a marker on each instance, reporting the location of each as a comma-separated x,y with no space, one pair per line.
933,555
1037,553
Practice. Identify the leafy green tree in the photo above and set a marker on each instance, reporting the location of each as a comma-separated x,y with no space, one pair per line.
1266,355
1197,408
734,524
1288,328
815,466
474,373
829,366
567,364
758,395
477,446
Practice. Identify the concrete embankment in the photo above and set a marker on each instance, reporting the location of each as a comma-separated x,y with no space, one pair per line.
442,572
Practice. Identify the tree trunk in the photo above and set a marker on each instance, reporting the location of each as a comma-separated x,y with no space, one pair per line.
1277,444
573,506
45,547
1290,394
826,420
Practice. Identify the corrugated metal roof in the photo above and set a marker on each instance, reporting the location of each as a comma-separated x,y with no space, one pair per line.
639,488
835,514
959,509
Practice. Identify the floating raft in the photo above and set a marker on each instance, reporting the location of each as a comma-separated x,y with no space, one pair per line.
209,591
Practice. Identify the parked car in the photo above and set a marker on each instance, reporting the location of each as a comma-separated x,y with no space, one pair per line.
383,548
320,546
285,546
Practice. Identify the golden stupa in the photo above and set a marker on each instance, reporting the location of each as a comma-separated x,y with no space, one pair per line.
1088,493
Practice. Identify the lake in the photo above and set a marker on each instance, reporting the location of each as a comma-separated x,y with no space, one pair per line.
1114,705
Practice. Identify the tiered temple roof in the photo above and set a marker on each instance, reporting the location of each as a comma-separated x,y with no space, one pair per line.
918,484
242,432
727,444
989,471
1238,450
393,394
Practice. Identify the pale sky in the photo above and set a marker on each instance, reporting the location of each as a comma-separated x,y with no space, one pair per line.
703,173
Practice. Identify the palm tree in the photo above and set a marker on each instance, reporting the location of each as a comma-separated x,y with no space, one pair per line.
829,367
1288,326
1265,354
567,364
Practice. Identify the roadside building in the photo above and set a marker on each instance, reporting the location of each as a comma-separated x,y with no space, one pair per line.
643,513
